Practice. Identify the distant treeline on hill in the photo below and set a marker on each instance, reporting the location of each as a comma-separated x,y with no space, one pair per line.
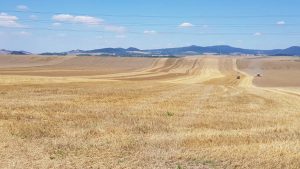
170,52
54,54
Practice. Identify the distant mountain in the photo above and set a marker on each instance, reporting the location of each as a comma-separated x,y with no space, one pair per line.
8,52
292,51
201,50
171,52
108,52
222,49
56,54
189,50
75,51
114,51
4,52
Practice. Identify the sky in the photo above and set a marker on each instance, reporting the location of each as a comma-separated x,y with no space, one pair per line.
63,25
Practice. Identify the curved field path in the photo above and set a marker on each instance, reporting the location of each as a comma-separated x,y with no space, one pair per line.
187,70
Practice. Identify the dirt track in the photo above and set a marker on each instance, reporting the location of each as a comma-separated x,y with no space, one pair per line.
189,70
202,70
278,73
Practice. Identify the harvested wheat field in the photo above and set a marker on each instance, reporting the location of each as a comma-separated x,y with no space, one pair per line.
111,112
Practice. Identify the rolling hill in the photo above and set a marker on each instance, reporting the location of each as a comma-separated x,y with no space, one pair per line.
9,52
170,52
189,50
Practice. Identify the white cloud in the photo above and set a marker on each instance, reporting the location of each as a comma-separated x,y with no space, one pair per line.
257,34
150,32
22,7
280,23
8,20
56,24
88,20
63,18
186,25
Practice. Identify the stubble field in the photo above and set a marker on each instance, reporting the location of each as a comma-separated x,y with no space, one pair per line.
191,112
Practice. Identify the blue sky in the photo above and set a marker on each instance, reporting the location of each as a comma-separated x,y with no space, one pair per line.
62,25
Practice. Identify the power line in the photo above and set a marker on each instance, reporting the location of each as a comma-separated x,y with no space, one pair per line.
153,24
161,16
157,24
163,32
